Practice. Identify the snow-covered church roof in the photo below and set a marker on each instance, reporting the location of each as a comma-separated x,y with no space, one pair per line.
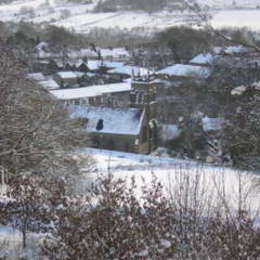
123,121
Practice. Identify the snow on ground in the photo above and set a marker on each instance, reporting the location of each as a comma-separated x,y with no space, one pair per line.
11,244
203,182
80,17
237,18
9,234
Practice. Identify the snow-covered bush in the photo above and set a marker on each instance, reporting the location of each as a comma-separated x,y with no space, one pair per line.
115,223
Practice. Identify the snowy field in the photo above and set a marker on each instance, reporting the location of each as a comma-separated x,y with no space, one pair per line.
80,18
203,187
237,18
210,185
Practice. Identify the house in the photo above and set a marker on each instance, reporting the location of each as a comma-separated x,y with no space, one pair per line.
94,65
49,84
228,56
127,71
115,54
123,129
67,78
45,82
36,76
203,59
83,67
46,66
185,71
112,95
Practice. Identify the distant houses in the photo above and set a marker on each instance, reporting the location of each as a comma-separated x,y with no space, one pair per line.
123,105
43,50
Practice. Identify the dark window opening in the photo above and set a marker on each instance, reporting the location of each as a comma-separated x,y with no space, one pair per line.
100,125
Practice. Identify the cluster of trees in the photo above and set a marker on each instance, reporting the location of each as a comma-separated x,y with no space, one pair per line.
25,35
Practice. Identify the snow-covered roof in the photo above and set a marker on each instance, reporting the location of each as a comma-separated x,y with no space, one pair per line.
231,50
49,84
212,124
36,76
123,121
93,64
130,70
92,91
217,52
69,74
203,59
184,70
82,53
113,64
240,90
256,85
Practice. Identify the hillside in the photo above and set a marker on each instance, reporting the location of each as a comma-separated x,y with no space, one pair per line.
81,17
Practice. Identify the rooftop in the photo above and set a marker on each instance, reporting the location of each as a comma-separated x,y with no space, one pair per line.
186,70
124,121
92,91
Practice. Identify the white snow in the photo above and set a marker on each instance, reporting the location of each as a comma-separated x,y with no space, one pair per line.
69,74
124,121
235,49
94,64
113,64
203,59
186,70
130,70
211,185
36,76
80,18
256,85
212,124
49,84
92,91
237,18
238,91
220,54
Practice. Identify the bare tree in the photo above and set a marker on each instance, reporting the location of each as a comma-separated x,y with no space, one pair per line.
36,139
